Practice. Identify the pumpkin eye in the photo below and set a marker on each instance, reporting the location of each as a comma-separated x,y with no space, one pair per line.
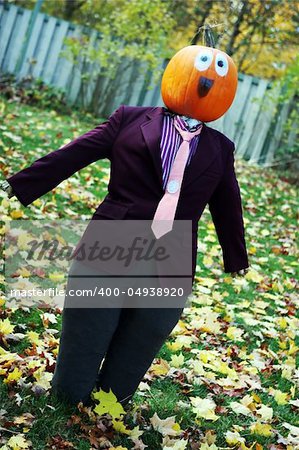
221,64
203,59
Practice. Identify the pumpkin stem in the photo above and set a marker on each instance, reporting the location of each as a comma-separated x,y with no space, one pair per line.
209,37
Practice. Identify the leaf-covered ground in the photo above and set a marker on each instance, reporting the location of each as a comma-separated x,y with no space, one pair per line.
226,377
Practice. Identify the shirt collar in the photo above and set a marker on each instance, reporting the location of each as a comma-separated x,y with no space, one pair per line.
186,123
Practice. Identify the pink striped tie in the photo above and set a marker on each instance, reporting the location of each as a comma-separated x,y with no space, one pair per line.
165,212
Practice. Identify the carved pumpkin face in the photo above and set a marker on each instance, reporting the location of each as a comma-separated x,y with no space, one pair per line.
199,82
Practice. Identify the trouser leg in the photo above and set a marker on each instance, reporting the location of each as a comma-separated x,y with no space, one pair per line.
85,337
138,338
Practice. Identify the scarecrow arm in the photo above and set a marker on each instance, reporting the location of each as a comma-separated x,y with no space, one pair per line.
47,172
225,206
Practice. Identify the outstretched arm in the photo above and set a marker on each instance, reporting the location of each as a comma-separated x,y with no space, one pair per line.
225,206
47,172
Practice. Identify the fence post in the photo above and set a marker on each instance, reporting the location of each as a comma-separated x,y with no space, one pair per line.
33,17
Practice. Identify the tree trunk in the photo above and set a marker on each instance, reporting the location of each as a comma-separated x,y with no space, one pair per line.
236,30
70,6
205,15
96,95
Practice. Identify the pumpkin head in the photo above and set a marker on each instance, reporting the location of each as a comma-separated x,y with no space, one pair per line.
199,82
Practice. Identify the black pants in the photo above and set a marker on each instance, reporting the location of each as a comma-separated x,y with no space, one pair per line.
127,338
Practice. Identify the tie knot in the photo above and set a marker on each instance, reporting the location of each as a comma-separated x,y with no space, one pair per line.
187,135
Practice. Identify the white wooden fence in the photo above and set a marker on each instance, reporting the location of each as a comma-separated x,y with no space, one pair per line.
252,122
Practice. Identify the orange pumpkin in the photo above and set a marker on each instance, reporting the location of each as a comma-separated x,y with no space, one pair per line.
199,82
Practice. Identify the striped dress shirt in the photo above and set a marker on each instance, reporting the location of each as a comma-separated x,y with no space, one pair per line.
171,140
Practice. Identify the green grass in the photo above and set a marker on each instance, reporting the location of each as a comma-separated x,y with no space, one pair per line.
269,206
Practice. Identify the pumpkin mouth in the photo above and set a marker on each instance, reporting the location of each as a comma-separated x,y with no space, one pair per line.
204,86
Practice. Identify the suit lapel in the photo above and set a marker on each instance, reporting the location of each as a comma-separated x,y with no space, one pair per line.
152,133
207,149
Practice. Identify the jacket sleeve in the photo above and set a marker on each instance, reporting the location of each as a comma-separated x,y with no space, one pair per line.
225,206
47,172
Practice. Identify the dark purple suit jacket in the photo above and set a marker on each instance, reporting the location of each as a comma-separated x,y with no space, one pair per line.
130,139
